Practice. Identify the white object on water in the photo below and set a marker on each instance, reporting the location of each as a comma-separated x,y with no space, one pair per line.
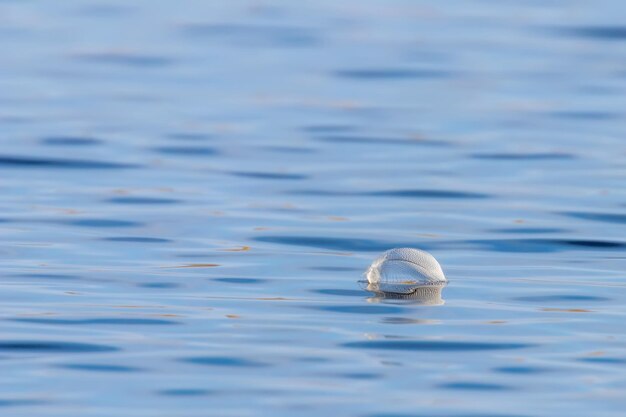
405,271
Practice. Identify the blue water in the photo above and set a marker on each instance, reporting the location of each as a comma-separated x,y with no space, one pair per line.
191,191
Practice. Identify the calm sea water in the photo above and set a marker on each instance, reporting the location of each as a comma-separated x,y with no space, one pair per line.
191,191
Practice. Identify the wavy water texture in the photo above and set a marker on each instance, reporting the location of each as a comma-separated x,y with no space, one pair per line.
192,193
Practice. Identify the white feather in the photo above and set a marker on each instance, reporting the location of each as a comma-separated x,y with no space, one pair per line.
403,271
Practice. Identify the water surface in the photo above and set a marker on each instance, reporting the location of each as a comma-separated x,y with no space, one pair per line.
191,191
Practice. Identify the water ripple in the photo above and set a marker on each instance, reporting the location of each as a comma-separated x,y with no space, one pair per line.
447,415
94,367
522,370
21,402
142,200
544,245
403,193
32,162
254,35
159,285
604,360
601,217
227,361
122,58
530,230
106,223
241,280
381,74
583,115
137,239
185,392
552,298
269,175
340,292
190,136
360,309
121,321
186,150
602,33
328,128
364,140
424,193
330,243
47,276
434,345
474,386
54,347
71,141
524,156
